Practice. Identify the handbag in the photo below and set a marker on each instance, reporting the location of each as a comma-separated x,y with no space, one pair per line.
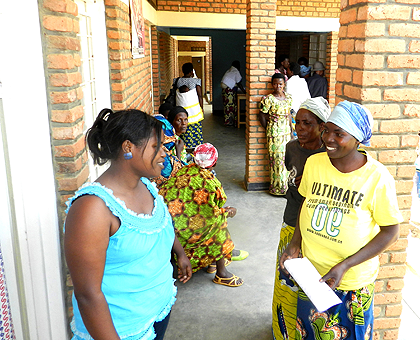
171,98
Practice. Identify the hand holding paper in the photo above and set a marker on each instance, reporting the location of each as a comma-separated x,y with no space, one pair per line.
307,277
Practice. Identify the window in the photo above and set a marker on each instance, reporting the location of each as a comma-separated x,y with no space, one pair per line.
94,66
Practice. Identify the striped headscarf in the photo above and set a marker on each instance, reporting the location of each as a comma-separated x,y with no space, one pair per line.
355,119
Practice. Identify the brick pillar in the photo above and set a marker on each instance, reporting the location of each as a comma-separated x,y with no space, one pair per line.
378,59
260,59
155,68
331,66
61,48
62,53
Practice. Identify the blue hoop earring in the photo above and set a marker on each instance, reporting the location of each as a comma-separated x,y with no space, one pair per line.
128,155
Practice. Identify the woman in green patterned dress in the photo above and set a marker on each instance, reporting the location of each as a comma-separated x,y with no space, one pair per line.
276,119
196,200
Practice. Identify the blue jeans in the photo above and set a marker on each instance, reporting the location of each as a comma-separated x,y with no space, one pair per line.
160,327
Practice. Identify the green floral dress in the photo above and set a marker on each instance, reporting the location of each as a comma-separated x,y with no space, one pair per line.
195,199
278,134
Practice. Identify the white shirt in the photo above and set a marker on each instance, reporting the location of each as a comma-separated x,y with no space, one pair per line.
298,89
231,77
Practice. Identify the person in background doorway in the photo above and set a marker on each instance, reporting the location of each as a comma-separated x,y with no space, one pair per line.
349,215
283,64
119,235
297,88
305,70
310,120
318,84
192,101
276,119
230,83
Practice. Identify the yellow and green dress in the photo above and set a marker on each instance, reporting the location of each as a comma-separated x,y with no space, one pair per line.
278,134
195,199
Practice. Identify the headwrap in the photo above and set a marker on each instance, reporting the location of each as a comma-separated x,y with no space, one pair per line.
355,119
305,70
174,111
205,155
318,106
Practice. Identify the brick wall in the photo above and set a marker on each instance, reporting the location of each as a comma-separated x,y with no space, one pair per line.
155,68
131,79
260,57
61,48
184,45
208,61
331,66
316,8
378,62
168,62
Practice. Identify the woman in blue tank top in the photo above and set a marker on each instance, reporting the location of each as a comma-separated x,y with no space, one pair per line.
119,235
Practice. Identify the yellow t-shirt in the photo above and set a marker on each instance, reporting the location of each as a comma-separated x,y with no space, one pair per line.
341,214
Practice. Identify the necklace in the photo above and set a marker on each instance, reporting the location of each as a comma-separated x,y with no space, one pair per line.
318,147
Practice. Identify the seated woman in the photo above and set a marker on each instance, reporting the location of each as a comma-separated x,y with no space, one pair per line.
173,146
178,118
196,199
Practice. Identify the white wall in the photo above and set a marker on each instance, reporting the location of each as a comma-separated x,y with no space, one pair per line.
29,230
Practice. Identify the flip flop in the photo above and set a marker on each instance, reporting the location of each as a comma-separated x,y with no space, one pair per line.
243,254
234,281
212,268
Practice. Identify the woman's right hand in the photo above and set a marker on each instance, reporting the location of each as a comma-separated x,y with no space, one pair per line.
231,211
291,252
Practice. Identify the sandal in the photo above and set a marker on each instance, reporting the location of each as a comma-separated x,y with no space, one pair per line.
212,268
239,255
234,281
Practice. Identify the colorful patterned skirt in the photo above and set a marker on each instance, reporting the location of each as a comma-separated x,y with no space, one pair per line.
193,136
351,320
6,325
230,106
276,145
285,294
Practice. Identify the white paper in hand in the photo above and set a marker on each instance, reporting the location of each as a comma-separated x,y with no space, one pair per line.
307,277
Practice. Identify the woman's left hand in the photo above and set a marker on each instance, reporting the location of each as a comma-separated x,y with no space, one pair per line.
184,264
335,275
184,268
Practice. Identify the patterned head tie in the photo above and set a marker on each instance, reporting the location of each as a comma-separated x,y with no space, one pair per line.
205,155
355,119
318,106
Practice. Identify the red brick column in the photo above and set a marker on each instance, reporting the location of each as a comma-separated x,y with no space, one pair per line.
378,60
331,66
61,47
168,49
260,59
62,53
155,69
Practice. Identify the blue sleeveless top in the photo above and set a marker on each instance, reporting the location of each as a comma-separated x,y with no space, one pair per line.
137,282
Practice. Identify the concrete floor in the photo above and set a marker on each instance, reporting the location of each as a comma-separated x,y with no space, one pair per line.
206,311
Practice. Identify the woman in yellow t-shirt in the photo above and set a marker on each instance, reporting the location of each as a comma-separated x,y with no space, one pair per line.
348,217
